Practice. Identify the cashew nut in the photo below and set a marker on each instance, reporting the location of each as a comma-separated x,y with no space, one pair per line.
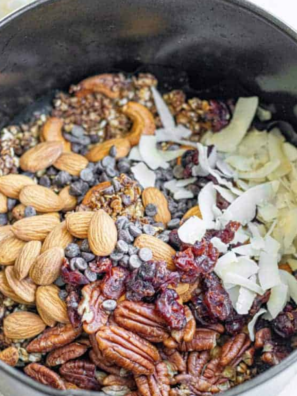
102,83
52,132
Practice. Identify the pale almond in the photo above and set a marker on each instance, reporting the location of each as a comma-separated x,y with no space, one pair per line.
78,223
35,228
26,259
10,356
194,211
102,234
18,212
52,132
58,237
49,305
10,248
41,156
5,232
161,250
46,268
41,198
22,325
72,163
152,195
101,150
3,203
11,185
25,288
7,291
69,201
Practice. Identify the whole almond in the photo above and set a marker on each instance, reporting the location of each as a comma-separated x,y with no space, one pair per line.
194,211
11,185
3,203
7,291
5,232
58,237
52,132
72,163
23,288
69,201
18,212
10,248
161,250
78,223
102,234
41,156
41,198
26,259
49,305
10,356
152,195
35,228
101,150
46,268
22,325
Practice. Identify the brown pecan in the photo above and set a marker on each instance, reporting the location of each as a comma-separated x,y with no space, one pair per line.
80,373
212,370
10,356
142,319
174,357
65,353
248,356
233,349
53,338
186,334
197,361
156,384
120,381
261,337
203,340
127,350
44,375
196,385
90,307
70,385
274,353
170,343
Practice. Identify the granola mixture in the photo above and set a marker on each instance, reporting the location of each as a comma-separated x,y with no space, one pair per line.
147,241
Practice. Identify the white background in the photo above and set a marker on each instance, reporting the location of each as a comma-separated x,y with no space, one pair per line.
284,9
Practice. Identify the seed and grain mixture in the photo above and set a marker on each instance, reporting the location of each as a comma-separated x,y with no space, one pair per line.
147,241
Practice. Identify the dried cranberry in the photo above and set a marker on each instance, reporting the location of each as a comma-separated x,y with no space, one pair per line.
200,311
222,203
216,298
235,323
72,302
171,310
218,115
74,278
190,157
285,324
101,265
174,240
258,302
137,289
226,235
113,284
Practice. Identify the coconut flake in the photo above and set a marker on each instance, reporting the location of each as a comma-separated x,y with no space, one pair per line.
268,264
291,282
261,173
233,294
277,300
243,209
241,236
171,186
252,323
134,154
276,152
241,163
207,201
245,301
149,153
164,112
239,280
229,138
267,212
192,230
182,193
225,193
243,266
185,182
290,151
170,155
218,244
246,250
226,170
144,176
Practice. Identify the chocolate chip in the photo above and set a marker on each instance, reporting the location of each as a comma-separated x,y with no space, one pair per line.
121,221
132,250
59,282
45,181
149,229
85,247
72,250
98,168
125,236
178,172
77,131
108,162
88,256
29,211
109,305
109,190
122,246
116,185
116,256
174,223
94,138
11,203
163,237
90,275
151,210
113,151
135,231
63,294
111,172
3,219
124,262
87,175
134,262
78,263
62,179
78,188
145,254
123,167
126,199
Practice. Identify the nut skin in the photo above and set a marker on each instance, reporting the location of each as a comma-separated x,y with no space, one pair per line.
80,373
51,339
10,248
78,223
45,376
43,199
49,305
64,354
154,385
7,291
10,356
127,350
203,340
25,288
142,319
58,237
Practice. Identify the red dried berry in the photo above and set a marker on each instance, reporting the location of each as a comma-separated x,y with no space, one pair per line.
113,284
218,115
70,277
72,302
226,235
101,265
171,310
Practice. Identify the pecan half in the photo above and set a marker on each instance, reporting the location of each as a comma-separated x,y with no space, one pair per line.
196,362
142,319
261,337
156,384
213,370
44,375
175,358
203,340
197,386
80,373
111,380
127,350
234,348
90,307
53,338
10,356
65,353
186,334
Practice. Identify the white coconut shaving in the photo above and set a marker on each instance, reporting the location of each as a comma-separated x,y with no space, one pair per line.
144,176
192,230
268,264
207,201
252,323
149,153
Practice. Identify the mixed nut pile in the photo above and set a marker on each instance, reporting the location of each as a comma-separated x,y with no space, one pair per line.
112,277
